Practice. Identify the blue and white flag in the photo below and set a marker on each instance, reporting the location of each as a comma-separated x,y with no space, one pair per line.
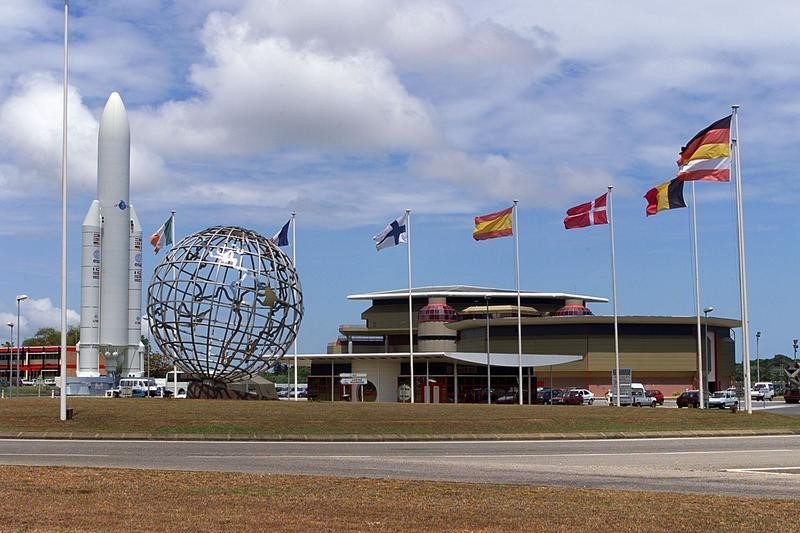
282,237
393,234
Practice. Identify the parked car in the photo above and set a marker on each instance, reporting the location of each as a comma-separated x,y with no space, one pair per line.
762,393
765,385
628,398
545,395
558,397
723,399
689,398
586,395
657,394
510,396
573,397
640,398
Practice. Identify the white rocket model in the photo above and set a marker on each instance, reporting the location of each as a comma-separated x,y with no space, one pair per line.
111,258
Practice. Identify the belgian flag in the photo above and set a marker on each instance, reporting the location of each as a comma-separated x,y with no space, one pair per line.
668,195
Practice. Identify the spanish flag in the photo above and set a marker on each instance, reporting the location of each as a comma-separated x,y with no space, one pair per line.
493,225
708,155
668,195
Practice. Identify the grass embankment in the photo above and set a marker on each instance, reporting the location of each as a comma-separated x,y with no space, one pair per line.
158,416
79,499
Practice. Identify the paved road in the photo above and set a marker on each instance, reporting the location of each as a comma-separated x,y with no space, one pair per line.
741,466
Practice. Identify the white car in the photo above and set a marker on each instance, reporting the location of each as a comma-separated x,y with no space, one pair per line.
586,394
723,399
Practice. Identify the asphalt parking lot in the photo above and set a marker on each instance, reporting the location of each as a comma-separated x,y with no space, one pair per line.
776,406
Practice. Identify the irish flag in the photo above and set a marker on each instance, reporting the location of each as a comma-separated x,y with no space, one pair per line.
708,155
163,236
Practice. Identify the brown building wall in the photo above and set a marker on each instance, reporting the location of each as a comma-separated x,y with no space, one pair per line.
661,357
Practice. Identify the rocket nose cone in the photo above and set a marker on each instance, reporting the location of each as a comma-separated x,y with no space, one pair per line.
114,103
114,120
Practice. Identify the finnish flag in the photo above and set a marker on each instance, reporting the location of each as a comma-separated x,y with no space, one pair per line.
393,234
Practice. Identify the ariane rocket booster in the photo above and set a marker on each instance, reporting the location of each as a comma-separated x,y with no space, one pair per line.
111,258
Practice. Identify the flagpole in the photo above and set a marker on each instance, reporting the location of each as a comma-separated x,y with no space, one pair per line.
614,289
174,365
294,265
519,312
742,271
410,309
700,341
63,346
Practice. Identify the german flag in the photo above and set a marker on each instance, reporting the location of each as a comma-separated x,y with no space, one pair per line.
708,155
668,195
493,225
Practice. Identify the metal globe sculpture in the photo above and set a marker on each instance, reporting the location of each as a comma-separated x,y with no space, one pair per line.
225,303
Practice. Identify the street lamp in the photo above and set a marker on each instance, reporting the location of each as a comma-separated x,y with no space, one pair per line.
706,310
20,298
758,358
488,357
10,351
146,318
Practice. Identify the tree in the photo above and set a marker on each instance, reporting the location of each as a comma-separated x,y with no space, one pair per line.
52,337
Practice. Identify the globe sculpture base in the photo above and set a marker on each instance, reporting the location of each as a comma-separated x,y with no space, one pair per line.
209,389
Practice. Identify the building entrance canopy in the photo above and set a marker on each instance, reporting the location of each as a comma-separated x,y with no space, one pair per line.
479,358
511,359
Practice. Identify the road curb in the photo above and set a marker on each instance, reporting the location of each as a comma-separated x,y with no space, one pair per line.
354,437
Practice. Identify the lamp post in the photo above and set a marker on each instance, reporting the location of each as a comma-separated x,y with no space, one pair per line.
706,310
758,358
488,357
11,341
20,298
147,349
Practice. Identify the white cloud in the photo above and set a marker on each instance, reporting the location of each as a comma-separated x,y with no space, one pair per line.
34,315
31,136
260,93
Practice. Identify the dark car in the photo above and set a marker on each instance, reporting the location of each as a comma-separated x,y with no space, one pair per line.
546,395
657,394
689,398
573,397
558,397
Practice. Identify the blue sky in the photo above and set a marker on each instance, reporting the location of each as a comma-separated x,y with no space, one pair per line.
350,111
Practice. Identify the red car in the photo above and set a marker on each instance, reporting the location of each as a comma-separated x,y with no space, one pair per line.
573,397
657,394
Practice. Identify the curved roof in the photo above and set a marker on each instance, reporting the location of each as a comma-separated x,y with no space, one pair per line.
600,319
497,359
469,292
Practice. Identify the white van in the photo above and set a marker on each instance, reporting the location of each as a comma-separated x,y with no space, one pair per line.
136,387
637,392
176,384
763,390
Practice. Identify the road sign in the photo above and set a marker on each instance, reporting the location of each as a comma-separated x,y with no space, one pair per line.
624,382
352,375
404,392
354,381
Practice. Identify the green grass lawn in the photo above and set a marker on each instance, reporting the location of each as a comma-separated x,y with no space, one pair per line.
166,416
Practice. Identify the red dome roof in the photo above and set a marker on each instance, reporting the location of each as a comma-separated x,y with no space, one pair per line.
573,310
437,312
